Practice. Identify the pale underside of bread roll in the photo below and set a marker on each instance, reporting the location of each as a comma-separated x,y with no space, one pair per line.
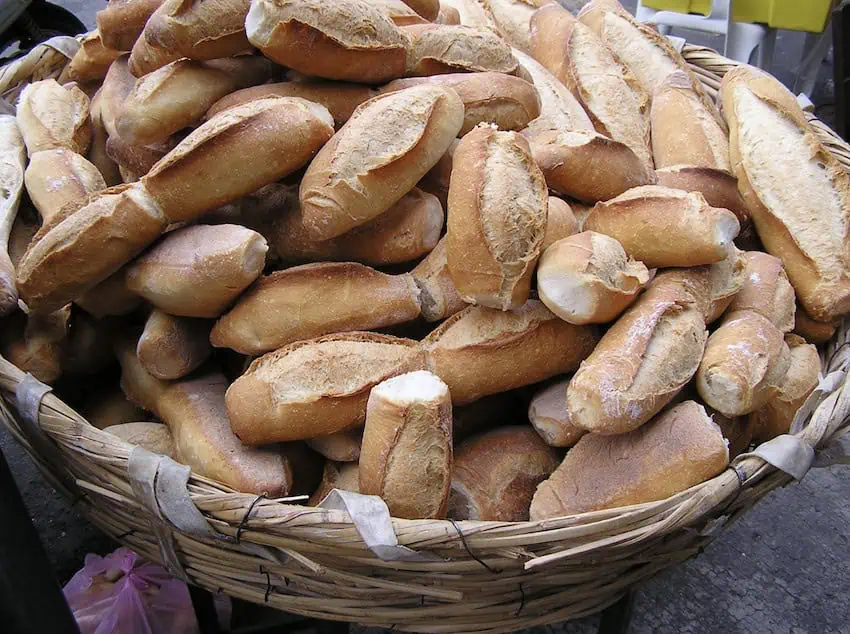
171,347
550,418
438,294
58,177
766,291
343,446
406,456
677,450
52,116
155,437
435,49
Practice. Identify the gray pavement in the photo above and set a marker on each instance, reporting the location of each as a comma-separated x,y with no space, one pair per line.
782,569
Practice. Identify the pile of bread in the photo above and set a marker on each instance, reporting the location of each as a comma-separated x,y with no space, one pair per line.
481,258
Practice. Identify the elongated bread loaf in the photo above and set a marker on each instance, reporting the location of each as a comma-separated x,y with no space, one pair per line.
560,222
406,456
681,447
802,211
724,280
471,13
343,446
438,178
498,205
481,351
178,94
171,347
438,295
97,154
154,437
388,145
550,418
317,387
122,21
279,135
641,363
436,49
512,19
117,84
90,62
719,187
308,301
89,246
400,13
59,177
589,279
345,476
13,158
339,98
666,227
811,330
447,15
744,364
488,97
146,57
766,291
318,39
197,271
615,101
111,297
495,474
53,116
137,159
428,9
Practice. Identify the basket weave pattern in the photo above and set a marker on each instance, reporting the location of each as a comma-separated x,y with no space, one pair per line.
487,576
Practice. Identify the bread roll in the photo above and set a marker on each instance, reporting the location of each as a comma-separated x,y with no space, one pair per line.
236,153
317,38
97,154
641,363
666,227
801,211
345,476
87,349
766,291
90,62
507,101
720,188
679,448
12,160
343,446
117,85
122,21
471,13
481,351
436,49
35,343
107,408
560,222
438,178
59,177
548,414
89,246
317,387
495,474
447,15
147,57
399,12
198,271
177,95
171,347
111,297
744,364
54,116
339,98
589,279
388,145
612,97
155,437
498,205
138,159
776,416
438,295
811,330
428,9
512,19
726,279
406,456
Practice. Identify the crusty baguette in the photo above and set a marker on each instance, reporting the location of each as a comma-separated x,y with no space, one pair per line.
341,99
89,246
308,301
400,13
198,271
91,60
588,278
438,295
428,9
744,364
406,456
146,57
666,227
97,154
726,279
435,49
766,291
117,84
448,14
495,474
681,447
488,97
111,297
87,349
345,476
813,331
316,387
171,347
388,145
343,446
137,159
560,222
719,187
154,437
481,351
512,19
498,203
776,416
616,103
177,95
548,414
122,21
438,178
801,211
109,407
641,363
279,135
52,116
13,158
471,13
35,343
316,38
59,177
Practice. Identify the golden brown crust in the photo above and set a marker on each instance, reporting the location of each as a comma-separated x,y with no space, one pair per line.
548,414
171,347
54,116
91,61
766,291
58,177
122,21
438,294
720,188
116,86
813,331
436,49
560,222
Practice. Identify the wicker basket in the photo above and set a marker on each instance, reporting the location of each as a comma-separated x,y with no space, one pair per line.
477,577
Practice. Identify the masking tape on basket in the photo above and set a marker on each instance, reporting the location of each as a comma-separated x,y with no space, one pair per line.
787,453
372,519
64,44
677,42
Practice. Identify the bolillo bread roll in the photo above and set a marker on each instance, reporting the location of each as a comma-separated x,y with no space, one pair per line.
117,85
811,330
495,474
719,188
171,347
512,19
36,343
343,446
53,116
548,414
438,178
316,387
560,222
122,21
197,271
345,476
589,279
406,456
766,291
97,153
111,297
312,300
155,437
681,447
438,295
436,49
90,62
498,205
146,57
471,13
137,159
13,158
482,351
428,9
59,177
388,145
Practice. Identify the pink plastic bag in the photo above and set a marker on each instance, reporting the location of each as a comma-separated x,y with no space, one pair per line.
123,594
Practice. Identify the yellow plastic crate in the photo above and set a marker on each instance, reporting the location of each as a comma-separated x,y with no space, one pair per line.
797,15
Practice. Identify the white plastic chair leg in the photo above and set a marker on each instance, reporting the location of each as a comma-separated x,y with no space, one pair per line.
644,14
815,48
742,39
764,59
